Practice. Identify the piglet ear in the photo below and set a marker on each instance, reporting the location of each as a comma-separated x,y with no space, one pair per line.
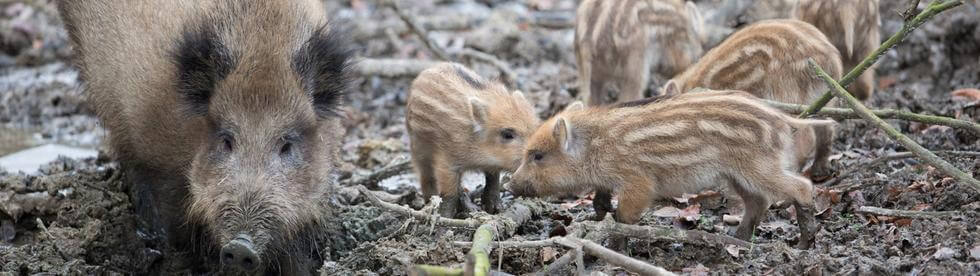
478,114
670,88
574,106
563,134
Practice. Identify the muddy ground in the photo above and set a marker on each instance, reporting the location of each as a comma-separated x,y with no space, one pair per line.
74,217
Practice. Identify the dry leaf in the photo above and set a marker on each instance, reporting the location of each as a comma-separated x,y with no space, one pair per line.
732,250
903,222
970,94
699,270
886,81
691,213
731,219
921,206
944,253
547,254
667,212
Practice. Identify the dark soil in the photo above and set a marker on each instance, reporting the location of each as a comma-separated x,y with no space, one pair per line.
89,228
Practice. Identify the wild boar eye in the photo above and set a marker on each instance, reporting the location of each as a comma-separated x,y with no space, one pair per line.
508,134
226,141
537,156
286,149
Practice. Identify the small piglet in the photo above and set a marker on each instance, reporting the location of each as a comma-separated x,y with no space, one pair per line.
769,60
675,145
618,43
853,26
457,121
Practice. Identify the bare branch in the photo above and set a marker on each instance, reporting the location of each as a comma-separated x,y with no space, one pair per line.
914,147
843,113
371,181
934,8
614,258
881,160
906,213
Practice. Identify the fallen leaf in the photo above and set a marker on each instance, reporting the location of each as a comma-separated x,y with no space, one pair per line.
699,270
886,81
667,212
731,219
903,222
970,94
944,253
693,198
975,252
691,213
576,203
921,206
732,250
547,254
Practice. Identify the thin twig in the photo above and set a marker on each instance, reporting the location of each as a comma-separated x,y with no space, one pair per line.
615,258
655,232
40,224
934,8
556,267
496,62
371,181
881,160
516,244
844,113
391,67
421,216
906,213
420,31
914,147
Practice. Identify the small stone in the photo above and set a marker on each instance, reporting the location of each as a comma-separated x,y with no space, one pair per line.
944,253
731,219
975,252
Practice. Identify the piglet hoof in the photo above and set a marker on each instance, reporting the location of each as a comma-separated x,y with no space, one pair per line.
818,175
491,203
449,208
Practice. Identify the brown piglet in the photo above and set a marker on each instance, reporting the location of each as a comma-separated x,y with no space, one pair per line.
853,26
671,146
457,122
618,43
769,60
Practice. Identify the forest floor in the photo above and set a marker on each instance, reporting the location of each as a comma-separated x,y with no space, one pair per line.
74,216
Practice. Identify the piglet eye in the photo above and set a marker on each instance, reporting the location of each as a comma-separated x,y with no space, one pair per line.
537,156
226,141
508,134
286,149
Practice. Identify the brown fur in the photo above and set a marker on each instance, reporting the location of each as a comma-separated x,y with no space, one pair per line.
768,59
853,26
213,155
457,122
663,149
617,43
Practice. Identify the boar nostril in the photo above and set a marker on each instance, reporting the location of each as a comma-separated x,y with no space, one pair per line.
240,253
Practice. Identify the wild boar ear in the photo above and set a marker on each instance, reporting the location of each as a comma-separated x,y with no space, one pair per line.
696,21
563,134
478,113
517,94
670,88
574,106
202,61
324,65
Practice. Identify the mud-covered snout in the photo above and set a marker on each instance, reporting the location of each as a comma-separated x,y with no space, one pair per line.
240,253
